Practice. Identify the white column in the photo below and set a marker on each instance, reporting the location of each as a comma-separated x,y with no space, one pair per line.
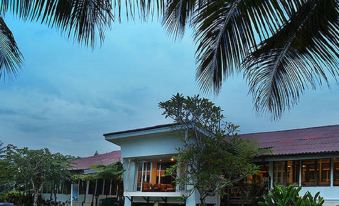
300,172
332,172
191,200
110,187
127,202
270,173
103,187
87,187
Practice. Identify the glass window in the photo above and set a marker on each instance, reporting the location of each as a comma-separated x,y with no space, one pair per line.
144,176
152,176
286,172
336,172
164,181
316,172
325,172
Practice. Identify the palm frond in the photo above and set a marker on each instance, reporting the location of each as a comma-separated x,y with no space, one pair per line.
300,55
85,20
10,56
226,32
178,13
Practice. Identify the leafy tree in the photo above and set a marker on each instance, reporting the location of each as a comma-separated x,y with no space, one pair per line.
212,156
6,172
59,172
34,168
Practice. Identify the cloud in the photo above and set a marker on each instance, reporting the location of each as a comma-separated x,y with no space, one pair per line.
67,96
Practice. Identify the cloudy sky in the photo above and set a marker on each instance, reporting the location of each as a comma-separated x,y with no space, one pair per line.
66,96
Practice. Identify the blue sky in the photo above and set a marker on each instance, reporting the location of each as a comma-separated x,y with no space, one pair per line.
66,96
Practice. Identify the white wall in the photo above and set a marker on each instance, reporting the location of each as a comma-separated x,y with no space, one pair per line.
151,145
330,194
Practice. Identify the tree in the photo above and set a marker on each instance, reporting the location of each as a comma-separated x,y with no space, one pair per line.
110,172
281,46
59,172
212,156
32,169
3,168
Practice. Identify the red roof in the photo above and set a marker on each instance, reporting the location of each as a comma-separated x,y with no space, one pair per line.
323,139
100,159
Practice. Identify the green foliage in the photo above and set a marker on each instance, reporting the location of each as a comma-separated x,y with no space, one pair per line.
18,198
30,169
212,156
289,196
112,171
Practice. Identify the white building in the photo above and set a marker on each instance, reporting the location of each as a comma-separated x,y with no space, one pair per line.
307,157
146,154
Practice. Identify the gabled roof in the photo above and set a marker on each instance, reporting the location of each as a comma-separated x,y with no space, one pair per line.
323,139
100,159
142,129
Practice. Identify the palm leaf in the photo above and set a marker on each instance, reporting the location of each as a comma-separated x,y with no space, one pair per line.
226,32
178,13
84,20
300,55
10,56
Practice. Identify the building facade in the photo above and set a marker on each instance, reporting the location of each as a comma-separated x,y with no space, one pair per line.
91,192
307,157
146,154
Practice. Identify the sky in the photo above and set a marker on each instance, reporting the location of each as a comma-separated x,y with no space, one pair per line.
66,96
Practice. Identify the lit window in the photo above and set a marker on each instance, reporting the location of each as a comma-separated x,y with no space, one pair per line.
152,176
316,172
286,172
336,172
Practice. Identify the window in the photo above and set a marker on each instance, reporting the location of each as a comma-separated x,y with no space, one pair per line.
91,188
261,179
152,176
336,172
165,181
286,172
316,172
143,181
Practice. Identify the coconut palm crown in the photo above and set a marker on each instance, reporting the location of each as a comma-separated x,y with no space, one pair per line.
282,47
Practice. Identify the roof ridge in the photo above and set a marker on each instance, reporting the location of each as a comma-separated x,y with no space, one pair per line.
98,155
287,130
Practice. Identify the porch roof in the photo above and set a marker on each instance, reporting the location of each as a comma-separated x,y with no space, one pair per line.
324,139
100,159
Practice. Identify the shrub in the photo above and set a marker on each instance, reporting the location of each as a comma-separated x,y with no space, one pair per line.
18,198
289,196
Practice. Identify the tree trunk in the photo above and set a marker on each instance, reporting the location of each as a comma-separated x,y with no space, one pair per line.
35,198
202,201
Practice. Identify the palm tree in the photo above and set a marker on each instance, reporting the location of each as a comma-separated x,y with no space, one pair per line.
83,20
282,47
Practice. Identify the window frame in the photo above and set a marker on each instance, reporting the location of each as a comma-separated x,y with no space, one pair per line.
317,173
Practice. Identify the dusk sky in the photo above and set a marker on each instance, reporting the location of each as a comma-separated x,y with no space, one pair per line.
66,96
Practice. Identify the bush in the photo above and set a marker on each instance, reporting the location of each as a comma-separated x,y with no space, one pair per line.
289,196
18,198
